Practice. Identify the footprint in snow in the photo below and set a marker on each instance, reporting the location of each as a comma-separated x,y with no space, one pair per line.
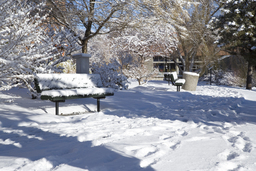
228,155
233,140
176,145
218,130
241,142
184,134
232,155
212,129
247,148
152,158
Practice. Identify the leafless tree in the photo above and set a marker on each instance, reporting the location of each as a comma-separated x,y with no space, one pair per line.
87,18
198,42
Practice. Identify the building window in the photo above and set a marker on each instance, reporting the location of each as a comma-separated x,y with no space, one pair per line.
163,64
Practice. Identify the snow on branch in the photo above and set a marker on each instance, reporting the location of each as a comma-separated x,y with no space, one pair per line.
28,46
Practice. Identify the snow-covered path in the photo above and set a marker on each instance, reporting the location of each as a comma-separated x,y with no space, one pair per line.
149,127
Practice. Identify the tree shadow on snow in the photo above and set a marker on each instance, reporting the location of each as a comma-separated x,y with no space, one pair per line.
183,106
20,138
35,144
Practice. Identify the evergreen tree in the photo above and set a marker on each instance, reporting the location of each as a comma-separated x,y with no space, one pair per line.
237,31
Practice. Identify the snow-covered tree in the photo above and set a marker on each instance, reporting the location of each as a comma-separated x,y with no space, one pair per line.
237,31
92,17
140,72
99,48
198,39
143,44
27,47
104,63
174,12
148,41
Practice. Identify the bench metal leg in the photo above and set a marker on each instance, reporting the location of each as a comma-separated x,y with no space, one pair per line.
98,105
178,88
57,108
98,102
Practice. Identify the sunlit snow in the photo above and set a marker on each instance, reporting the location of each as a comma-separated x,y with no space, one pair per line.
150,127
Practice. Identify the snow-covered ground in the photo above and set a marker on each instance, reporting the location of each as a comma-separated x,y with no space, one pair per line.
147,128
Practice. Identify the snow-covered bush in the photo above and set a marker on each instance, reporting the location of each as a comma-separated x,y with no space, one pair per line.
103,62
110,75
27,46
229,78
141,73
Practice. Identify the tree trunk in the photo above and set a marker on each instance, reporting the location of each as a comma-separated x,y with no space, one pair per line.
84,46
88,28
249,76
139,81
178,66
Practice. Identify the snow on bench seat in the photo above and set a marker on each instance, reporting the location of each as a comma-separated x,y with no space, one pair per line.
180,81
60,87
68,81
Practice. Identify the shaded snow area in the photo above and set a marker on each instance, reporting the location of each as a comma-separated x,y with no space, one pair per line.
145,128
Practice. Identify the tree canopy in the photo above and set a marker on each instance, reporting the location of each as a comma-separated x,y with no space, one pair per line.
88,18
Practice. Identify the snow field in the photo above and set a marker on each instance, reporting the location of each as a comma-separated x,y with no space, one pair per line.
150,127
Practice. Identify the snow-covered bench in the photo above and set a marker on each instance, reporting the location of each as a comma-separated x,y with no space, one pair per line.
175,80
60,87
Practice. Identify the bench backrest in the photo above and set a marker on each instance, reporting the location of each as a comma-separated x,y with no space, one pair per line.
66,81
174,76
